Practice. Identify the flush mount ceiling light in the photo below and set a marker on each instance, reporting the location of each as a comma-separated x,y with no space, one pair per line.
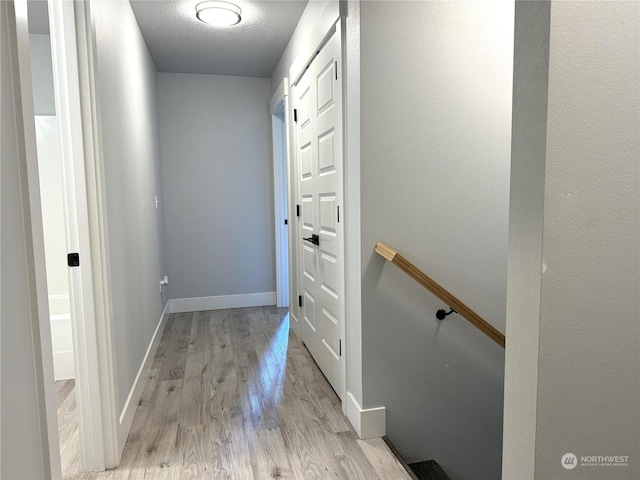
219,14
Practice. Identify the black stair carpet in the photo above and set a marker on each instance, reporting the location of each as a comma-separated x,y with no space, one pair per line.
428,470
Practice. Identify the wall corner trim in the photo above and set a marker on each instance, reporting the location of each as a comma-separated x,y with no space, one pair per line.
195,304
367,422
130,406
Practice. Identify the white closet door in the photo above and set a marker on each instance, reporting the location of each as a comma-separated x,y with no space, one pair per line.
318,101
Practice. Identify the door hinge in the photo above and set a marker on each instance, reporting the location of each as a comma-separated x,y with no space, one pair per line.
295,115
73,259
338,213
286,222
340,347
336,69
300,302
297,210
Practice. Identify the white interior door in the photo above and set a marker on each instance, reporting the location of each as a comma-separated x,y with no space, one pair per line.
318,104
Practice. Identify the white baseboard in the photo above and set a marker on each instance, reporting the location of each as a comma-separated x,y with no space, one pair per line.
63,366
369,422
130,406
196,304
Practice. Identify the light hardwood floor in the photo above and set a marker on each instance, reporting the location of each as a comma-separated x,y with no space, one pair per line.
233,395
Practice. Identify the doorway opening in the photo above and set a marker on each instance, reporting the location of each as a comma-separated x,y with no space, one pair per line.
67,169
54,225
281,193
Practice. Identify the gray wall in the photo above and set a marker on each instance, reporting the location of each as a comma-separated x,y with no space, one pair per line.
127,89
313,13
588,386
435,147
575,162
21,455
215,139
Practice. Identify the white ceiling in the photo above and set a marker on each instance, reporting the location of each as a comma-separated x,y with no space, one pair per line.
179,42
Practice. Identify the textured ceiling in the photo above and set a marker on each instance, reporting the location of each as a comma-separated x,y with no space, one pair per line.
179,42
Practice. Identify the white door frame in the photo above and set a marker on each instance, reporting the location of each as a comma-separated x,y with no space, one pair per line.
76,104
30,185
281,192
73,55
296,72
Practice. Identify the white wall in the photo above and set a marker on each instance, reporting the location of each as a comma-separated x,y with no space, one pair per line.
127,89
42,74
436,81
51,192
215,140
21,437
53,223
588,382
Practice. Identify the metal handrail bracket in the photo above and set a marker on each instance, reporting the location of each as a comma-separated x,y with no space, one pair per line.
439,291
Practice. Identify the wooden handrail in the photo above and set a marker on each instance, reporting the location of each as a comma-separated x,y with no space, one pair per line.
434,287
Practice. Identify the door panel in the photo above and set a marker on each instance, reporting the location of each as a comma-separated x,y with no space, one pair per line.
329,274
328,210
309,262
305,162
307,213
325,82
318,99
326,151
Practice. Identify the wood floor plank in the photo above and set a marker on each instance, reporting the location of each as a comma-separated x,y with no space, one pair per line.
63,388
159,441
234,449
377,452
269,457
130,457
68,424
233,395
192,407
221,388
197,449
305,441
70,454
174,362
354,464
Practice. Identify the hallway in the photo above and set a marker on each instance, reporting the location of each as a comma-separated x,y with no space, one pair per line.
232,395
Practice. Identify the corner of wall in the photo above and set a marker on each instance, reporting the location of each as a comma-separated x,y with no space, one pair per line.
351,65
369,422
528,153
